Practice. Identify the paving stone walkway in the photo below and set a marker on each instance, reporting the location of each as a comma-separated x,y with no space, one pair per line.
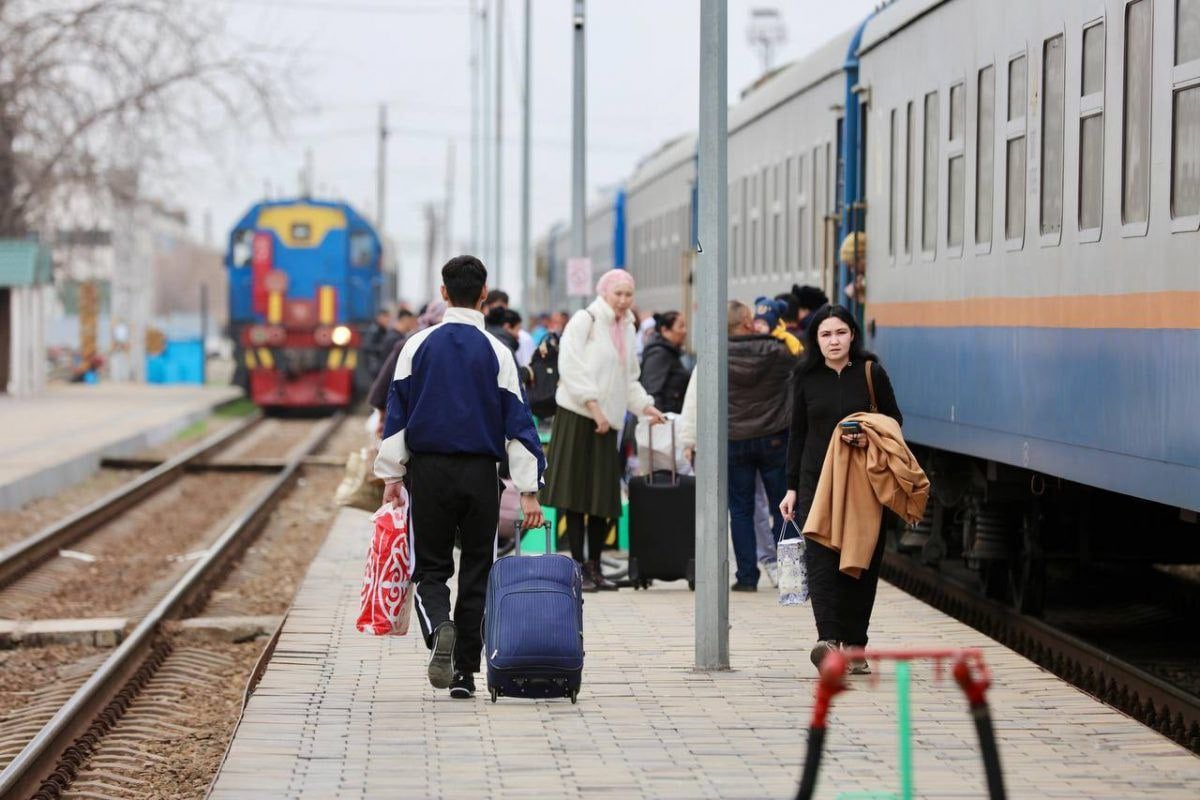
340,714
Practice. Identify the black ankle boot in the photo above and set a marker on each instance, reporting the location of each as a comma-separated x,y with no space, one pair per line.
602,583
589,583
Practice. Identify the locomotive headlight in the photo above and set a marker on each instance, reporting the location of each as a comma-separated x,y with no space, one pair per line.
340,336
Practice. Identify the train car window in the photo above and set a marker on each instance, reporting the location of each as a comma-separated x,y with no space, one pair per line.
752,257
956,171
1187,31
910,175
985,133
777,215
1014,156
1185,114
1016,88
243,246
891,169
1093,60
956,112
362,249
1091,171
1135,161
1053,101
1185,177
800,212
818,197
1091,133
1014,215
929,178
789,250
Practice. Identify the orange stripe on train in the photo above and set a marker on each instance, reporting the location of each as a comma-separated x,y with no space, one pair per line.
1164,310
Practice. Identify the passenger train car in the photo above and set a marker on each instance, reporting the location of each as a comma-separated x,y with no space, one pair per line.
304,284
1027,175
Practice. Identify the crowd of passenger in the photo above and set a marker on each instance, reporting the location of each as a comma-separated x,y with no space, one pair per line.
796,367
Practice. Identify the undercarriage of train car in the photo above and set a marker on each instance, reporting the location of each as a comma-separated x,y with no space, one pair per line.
1019,531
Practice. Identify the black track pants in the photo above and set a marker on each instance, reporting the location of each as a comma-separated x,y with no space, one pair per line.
454,494
841,604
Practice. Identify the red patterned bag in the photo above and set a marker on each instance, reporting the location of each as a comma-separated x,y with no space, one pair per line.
387,591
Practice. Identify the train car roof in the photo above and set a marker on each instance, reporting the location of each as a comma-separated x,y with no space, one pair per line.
790,81
669,155
793,80
893,18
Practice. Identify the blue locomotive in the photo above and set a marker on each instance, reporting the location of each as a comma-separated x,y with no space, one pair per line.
304,282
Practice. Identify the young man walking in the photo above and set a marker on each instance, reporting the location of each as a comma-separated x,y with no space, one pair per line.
455,410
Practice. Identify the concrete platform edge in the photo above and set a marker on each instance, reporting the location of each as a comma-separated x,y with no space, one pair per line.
70,472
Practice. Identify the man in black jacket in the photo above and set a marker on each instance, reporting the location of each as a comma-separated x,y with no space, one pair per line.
760,413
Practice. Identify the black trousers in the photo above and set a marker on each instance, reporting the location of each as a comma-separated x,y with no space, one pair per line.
454,495
597,532
842,605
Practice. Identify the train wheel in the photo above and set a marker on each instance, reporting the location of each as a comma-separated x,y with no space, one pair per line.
1027,574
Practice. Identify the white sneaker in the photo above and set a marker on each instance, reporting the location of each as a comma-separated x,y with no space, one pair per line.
772,570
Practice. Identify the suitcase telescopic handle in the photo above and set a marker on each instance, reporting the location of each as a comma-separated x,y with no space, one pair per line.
549,539
650,444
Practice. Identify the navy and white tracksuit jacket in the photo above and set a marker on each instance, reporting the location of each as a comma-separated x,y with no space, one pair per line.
456,391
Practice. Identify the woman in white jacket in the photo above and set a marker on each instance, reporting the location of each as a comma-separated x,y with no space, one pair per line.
597,384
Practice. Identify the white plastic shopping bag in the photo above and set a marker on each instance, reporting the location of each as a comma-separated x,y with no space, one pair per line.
659,445
793,573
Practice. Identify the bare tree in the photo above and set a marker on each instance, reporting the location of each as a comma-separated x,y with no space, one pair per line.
93,88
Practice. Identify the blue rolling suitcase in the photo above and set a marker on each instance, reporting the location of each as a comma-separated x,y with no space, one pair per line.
533,625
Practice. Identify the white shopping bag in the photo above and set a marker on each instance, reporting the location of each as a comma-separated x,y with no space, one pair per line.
793,572
659,447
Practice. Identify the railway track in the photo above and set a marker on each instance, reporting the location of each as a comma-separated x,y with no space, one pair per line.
23,556
48,763
1152,701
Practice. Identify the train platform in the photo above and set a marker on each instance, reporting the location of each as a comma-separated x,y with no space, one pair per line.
341,714
55,440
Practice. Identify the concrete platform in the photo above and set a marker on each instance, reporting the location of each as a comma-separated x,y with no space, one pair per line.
340,714
53,441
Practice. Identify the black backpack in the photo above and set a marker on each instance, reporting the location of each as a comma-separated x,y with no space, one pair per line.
541,378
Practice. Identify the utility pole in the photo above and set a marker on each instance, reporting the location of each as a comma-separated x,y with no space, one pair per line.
578,151
381,170
474,23
485,121
712,266
448,204
526,103
498,188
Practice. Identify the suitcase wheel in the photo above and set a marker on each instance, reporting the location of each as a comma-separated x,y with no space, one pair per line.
493,693
574,696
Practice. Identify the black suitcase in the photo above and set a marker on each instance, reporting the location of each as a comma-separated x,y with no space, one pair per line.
662,525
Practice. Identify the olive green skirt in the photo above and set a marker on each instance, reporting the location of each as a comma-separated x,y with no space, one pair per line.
584,469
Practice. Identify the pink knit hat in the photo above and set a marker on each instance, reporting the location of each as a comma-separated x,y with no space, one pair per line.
613,278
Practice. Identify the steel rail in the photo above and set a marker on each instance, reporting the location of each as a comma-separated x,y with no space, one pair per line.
1150,700
20,557
49,762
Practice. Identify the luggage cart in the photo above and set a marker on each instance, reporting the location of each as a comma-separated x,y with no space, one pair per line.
970,673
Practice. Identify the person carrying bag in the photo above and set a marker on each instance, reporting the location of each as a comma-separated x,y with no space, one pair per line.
838,381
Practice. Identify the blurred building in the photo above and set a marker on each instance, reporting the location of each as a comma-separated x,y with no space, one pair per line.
128,269
24,286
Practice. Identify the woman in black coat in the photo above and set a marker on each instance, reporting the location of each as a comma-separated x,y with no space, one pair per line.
830,385
663,374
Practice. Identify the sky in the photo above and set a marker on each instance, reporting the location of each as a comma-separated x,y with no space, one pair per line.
346,57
